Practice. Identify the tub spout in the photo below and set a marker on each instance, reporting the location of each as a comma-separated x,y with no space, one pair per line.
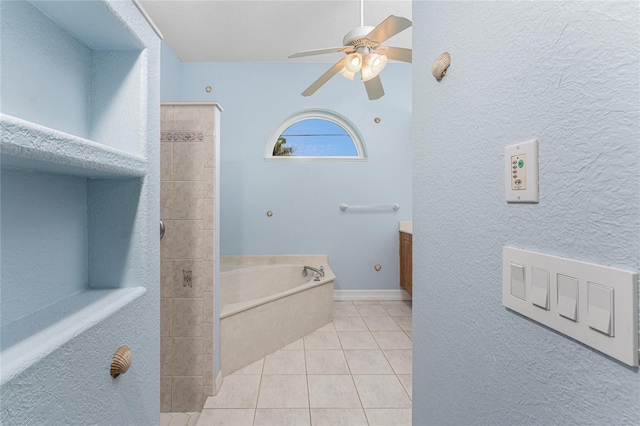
320,272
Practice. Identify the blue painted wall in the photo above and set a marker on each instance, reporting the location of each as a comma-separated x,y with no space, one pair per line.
567,74
62,67
305,196
44,228
27,90
171,74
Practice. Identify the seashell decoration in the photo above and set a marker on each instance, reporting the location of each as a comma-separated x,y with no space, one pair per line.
440,65
121,361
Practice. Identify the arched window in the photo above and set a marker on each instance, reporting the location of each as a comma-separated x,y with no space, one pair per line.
316,135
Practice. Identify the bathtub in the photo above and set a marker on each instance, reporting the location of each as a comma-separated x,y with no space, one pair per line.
267,303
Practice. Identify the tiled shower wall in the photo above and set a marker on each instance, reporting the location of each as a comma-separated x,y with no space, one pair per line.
187,256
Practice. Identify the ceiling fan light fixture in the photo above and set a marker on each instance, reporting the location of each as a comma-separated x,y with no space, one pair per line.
353,63
347,74
373,65
377,62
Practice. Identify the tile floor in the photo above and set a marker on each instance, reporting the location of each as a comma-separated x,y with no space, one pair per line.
179,419
354,371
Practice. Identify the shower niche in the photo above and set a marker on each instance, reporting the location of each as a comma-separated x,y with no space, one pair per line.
79,177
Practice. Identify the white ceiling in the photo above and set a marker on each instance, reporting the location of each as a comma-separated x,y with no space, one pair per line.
266,30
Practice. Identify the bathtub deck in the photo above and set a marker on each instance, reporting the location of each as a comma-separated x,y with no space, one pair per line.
356,370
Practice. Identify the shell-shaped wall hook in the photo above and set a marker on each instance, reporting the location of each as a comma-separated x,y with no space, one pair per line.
121,361
440,65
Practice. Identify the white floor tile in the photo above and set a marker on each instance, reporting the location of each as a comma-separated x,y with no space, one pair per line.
408,333
357,340
322,340
392,339
407,383
378,391
193,419
332,391
236,392
367,362
251,369
327,327
295,345
226,417
165,419
398,310
349,324
338,417
401,360
283,391
282,417
389,417
326,362
345,311
284,362
386,303
179,419
381,323
371,310
403,322
366,302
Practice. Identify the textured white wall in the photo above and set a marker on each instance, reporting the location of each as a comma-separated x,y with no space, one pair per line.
567,74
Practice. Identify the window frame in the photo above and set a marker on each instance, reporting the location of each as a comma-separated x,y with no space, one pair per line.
323,114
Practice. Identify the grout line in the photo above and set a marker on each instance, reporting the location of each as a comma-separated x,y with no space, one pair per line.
306,376
255,411
351,374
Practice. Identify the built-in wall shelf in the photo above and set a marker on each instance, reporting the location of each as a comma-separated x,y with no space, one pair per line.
79,197
28,340
29,146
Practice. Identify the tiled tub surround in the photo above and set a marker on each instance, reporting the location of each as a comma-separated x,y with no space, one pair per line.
268,304
188,161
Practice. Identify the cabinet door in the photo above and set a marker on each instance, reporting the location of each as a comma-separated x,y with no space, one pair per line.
406,266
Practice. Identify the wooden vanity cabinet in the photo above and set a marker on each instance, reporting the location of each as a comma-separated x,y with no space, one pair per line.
406,263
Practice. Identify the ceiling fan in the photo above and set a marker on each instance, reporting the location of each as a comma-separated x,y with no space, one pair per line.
365,54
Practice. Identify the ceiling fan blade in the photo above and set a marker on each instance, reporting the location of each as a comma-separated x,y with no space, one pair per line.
324,78
348,49
388,28
374,88
399,54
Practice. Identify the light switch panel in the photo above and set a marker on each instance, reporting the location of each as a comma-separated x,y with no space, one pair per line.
594,304
540,287
521,172
600,308
568,297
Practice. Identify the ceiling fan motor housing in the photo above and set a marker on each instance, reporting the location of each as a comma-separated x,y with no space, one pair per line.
357,36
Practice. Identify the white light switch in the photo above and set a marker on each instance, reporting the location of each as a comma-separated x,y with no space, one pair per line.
517,282
521,172
596,305
540,287
568,297
600,308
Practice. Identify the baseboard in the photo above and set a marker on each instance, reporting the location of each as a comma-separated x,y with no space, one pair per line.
398,294
218,383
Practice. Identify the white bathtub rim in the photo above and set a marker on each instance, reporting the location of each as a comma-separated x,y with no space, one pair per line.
238,307
253,267
272,260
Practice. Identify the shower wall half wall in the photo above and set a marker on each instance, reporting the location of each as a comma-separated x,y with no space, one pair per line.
188,208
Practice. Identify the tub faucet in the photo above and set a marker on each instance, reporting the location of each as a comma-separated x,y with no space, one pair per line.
320,272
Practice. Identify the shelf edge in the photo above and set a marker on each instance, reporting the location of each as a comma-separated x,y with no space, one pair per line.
24,140
34,348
